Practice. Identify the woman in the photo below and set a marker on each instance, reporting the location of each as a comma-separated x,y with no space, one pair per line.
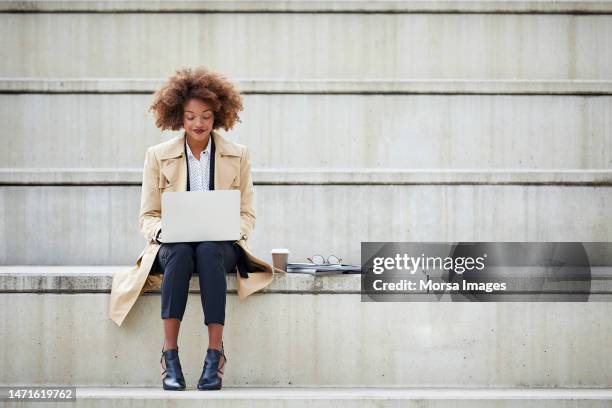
199,101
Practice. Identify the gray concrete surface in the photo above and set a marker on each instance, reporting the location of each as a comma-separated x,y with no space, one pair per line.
308,45
98,225
401,6
98,279
313,340
435,132
410,102
340,397
319,177
376,86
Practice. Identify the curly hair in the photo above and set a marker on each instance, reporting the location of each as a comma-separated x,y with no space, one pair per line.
200,83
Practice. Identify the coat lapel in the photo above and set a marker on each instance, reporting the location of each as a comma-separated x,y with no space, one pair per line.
174,164
227,163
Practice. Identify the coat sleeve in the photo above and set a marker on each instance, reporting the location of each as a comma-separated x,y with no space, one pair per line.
149,218
247,193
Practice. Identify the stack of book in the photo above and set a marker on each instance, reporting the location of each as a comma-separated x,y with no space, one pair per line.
314,269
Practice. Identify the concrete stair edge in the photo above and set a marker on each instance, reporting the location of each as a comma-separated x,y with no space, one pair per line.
329,6
324,176
318,86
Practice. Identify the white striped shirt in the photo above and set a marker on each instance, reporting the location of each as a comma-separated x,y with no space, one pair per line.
199,170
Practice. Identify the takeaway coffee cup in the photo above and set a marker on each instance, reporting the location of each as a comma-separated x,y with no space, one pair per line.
280,257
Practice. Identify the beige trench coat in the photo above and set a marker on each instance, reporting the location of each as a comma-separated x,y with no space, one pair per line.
165,170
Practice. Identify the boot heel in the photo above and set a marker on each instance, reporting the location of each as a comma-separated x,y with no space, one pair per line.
222,361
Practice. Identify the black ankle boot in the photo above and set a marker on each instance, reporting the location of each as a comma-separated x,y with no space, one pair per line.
212,374
172,373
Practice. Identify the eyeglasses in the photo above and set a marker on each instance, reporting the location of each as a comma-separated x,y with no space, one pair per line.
320,260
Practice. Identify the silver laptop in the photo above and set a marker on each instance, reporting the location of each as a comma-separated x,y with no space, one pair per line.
194,216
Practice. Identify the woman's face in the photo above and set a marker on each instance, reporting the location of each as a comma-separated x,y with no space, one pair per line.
198,119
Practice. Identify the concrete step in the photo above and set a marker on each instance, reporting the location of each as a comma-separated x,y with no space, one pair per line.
343,397
330,44
302,331
321,176
98,279
357,86
85,225
442,131
304,6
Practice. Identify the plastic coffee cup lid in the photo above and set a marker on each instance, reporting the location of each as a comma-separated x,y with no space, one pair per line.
280,251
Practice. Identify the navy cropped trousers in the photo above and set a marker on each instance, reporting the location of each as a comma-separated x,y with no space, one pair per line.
211,260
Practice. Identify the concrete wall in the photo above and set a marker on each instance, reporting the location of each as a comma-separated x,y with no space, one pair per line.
352,109
98,225
366,121
325,131
314,45
314,340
